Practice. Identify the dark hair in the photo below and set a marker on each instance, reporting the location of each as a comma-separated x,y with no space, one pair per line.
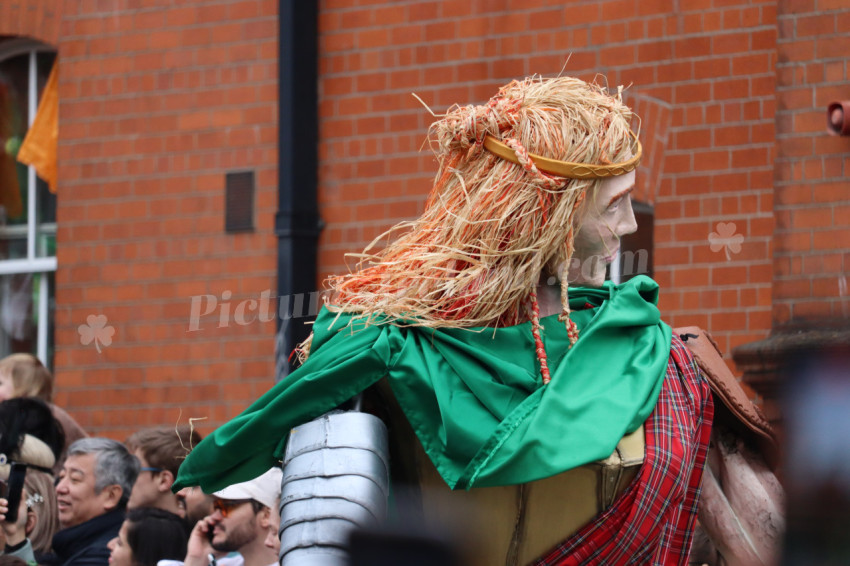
154,534
28,415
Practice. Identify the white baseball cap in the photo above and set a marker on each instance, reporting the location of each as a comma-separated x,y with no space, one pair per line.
265,489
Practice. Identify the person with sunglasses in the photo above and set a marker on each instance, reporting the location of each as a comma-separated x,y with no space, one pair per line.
160,451
242,514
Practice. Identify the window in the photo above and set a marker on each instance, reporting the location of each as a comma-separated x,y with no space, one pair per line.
635,254
27,208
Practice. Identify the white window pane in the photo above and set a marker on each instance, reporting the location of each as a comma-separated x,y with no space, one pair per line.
19,315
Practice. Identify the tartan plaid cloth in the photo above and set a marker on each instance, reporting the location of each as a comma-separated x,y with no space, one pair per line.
652,522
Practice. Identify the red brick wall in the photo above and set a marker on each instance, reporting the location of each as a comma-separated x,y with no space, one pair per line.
158,102
812,197
704,80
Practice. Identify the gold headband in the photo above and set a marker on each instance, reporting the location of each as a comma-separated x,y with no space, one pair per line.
565,168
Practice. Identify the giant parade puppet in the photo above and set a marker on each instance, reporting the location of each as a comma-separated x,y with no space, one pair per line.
480,360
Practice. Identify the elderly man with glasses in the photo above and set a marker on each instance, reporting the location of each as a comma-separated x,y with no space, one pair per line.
242,514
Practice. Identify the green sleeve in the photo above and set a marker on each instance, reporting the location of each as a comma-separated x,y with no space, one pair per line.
346,363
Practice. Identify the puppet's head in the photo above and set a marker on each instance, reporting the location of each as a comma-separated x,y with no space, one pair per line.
504,210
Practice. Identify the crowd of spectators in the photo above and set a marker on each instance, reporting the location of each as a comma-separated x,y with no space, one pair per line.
73,500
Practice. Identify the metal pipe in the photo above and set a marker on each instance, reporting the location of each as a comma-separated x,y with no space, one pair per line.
297,223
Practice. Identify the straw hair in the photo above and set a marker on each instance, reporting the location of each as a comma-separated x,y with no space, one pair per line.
491,227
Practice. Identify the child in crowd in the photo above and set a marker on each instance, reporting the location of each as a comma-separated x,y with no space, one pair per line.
23,375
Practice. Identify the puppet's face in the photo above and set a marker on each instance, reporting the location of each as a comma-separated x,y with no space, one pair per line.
608,217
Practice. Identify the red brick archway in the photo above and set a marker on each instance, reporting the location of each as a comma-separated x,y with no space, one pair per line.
38,19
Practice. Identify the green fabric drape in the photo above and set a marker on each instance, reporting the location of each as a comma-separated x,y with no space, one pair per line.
473,396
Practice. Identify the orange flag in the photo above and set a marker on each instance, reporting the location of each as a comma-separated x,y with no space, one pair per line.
39,147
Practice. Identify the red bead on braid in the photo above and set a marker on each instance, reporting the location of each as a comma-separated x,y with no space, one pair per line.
572,327
572,332
538,342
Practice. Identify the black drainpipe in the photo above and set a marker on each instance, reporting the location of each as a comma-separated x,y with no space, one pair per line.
297,222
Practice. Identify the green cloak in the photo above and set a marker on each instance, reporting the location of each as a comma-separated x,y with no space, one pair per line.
474,396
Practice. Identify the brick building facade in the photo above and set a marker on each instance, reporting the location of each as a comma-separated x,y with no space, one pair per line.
158,102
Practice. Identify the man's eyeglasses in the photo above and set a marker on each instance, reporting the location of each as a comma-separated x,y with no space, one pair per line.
226,506
149,469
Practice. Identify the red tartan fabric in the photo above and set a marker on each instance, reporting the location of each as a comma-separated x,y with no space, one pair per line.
652,522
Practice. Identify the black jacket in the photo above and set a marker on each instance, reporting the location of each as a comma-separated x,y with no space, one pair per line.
85,544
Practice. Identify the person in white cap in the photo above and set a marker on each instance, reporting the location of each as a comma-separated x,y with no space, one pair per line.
242,514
